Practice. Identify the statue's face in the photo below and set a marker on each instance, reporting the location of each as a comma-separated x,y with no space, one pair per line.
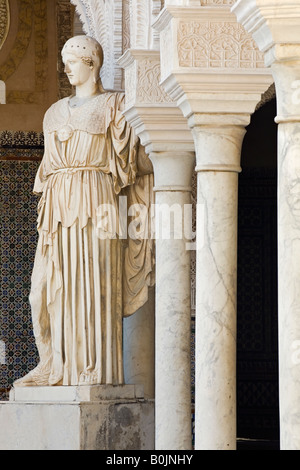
77,71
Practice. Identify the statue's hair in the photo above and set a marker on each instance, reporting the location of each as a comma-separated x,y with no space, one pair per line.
86,48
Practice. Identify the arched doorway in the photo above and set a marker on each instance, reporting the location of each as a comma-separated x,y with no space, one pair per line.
257,361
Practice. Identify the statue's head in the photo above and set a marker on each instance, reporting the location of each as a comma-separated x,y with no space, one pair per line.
85,50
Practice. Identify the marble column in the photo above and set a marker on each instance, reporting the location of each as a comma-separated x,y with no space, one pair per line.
173,174
218,149
287,75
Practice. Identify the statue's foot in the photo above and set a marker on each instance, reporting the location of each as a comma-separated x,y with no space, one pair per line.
55,380
38,377
89,378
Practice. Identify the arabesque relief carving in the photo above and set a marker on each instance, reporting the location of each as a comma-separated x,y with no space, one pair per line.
212,44
149,89
217,2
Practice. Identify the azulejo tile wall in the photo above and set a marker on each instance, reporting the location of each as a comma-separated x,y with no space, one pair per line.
16,140
20,155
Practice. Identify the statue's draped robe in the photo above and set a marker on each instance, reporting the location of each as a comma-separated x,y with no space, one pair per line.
81,287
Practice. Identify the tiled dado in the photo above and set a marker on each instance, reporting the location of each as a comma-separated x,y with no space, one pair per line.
20,155
21,139
20,145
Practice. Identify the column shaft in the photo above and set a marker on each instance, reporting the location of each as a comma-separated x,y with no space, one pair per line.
218,164
173,303
287,86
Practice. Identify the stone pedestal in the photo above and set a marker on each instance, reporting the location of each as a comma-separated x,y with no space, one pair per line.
77,418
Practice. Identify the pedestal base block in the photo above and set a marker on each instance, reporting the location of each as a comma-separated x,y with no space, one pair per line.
77,418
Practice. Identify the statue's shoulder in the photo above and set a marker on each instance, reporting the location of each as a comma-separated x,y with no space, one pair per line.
58,105
56,113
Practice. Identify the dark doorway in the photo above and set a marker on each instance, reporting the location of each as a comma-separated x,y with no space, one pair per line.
257,362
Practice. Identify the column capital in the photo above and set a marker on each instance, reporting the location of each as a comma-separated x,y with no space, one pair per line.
173,170
213,120
153,114
273,24
219,143
210,64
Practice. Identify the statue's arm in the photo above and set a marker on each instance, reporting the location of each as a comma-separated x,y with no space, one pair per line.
40,180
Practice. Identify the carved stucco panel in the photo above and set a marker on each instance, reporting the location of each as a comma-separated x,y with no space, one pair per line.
15,57
131,84
213,44
139,24
126,25
166,43
4,20
143,83
157,6
217,2
142,15
32,24
65,25
149,89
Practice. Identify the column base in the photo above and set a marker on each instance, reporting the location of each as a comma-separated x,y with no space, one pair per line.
97,417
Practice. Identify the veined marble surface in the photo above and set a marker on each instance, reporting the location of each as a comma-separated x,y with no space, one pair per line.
218,164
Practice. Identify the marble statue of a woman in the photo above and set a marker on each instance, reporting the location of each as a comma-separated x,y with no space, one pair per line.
85,279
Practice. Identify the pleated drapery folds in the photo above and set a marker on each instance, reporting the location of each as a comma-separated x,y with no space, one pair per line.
86,315
77,295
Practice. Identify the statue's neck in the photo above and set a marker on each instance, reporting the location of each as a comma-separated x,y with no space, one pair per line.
87,90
